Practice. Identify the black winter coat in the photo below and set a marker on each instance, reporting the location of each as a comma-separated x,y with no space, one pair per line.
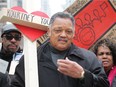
4,80
49,76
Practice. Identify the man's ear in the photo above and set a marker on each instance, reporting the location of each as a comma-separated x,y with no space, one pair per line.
74,33
2,40
49,32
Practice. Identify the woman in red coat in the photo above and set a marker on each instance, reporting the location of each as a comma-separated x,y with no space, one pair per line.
106,52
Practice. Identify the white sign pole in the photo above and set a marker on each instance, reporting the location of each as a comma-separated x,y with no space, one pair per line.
30,48
31,68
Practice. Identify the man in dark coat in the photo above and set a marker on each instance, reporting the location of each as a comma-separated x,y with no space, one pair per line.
61,63
10,50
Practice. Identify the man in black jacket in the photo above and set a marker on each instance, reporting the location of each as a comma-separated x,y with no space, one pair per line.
61,63
10,50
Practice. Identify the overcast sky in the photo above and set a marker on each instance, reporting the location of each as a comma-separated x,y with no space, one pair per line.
56,5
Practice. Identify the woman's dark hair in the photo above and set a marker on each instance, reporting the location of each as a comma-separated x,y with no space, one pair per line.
109,44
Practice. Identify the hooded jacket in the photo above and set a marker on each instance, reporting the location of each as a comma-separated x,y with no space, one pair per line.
10,57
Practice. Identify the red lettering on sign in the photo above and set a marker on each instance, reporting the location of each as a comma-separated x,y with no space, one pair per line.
92,22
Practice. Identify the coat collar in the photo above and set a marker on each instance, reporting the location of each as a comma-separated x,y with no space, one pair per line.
74,50
77,51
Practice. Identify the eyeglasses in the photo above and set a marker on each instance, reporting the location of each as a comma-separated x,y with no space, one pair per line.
10,37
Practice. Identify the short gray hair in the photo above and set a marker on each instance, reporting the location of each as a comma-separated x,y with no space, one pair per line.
62,15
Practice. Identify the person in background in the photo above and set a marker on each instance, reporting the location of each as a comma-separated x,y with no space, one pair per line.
106,52
10,50
60,62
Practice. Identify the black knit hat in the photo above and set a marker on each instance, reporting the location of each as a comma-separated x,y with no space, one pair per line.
9,28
